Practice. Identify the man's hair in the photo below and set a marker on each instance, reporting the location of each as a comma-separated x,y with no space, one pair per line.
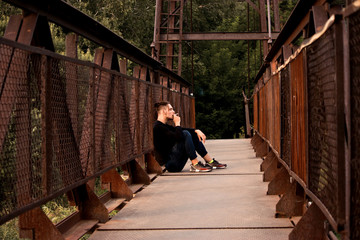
160,105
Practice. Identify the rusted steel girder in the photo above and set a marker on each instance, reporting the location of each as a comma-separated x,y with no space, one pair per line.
217,36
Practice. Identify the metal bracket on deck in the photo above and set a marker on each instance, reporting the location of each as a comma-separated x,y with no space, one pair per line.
292,202
272,170
118,187
267,161
152,165
90,206
280,184
260,146
310,226
138,174
34,224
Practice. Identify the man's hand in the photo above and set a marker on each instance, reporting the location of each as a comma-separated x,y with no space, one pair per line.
201,135
177,120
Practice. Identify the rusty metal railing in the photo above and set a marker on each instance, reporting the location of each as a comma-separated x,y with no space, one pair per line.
64,122
352,15
302,113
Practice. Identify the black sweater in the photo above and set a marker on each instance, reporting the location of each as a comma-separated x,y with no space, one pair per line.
165,137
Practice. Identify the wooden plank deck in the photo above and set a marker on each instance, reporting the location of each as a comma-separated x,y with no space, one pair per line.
223,204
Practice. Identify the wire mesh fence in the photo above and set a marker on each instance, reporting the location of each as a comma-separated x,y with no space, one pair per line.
285,116
64,121
322,121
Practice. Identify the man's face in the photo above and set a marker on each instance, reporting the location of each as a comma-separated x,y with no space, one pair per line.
169,112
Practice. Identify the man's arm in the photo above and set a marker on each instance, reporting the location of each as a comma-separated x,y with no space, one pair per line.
177,120
198,132
168,135
201,135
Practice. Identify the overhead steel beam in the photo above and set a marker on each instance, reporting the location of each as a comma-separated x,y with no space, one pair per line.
217,36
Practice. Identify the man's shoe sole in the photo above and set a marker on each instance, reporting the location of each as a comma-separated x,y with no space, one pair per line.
197,170
219,167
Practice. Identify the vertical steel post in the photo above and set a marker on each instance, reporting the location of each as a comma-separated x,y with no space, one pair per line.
263,24
46,127
155,45
269,21
180,34
93,79
247,115
276,15
170,29
192,50
347,110
71,84
248,51
339,72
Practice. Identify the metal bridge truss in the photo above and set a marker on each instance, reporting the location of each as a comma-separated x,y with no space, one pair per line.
169,35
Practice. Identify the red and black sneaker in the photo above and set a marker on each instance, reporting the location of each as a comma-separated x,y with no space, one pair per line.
215,164
199,167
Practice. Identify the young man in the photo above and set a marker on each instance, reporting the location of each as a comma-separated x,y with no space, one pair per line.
174,145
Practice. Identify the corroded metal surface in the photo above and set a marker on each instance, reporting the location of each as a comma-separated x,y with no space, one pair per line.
322,110
354,23
285,116
298,116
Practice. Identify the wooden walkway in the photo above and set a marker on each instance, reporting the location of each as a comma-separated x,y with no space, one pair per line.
223,204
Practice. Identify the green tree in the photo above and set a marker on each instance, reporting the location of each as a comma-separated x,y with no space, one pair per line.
221,68
218,94
219,106
131,19
6,10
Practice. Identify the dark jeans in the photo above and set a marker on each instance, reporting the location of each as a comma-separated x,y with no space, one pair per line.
183,150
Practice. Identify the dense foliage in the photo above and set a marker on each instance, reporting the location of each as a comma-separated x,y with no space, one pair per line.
223,69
